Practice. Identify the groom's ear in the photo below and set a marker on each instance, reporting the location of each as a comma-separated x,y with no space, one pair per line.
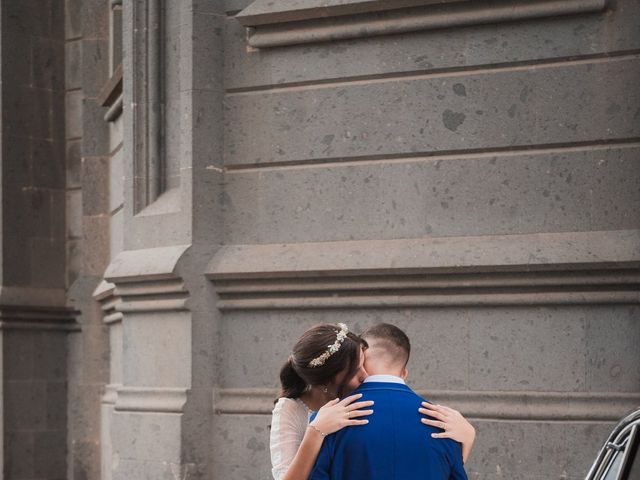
405,373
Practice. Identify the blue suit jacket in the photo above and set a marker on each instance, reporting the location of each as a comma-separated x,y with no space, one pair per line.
394,445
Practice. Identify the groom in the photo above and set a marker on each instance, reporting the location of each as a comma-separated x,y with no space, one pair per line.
394,445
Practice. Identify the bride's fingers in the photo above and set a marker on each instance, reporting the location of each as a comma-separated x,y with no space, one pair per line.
433,423
357,422
350,399
433,413
359,413
441,435
357,405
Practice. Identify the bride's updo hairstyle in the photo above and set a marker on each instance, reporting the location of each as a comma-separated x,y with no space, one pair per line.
297,374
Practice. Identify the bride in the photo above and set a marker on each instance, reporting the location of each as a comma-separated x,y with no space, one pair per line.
327,363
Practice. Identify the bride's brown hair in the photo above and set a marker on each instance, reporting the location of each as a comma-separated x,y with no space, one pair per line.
296,375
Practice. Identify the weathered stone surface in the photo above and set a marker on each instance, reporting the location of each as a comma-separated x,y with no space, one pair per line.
612,336
423,52
437,197
501,110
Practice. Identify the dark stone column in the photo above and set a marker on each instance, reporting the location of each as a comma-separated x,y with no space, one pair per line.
34,319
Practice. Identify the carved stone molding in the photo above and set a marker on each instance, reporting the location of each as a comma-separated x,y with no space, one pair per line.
35,309
272,24
144,399
490,405
109,302
539,269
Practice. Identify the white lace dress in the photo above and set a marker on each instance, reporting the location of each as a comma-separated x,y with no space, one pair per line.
288,425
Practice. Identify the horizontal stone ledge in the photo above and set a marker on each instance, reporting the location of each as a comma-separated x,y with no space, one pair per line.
149,399
273,24
39,325
565,251
489,405
430,300
629,278
38,317
145,264
154,305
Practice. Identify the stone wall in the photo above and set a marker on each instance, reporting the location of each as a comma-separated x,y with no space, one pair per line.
473,183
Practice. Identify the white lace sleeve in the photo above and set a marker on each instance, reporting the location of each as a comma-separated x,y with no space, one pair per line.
288,426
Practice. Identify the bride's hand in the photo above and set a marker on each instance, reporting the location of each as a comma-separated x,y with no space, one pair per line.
337,414
455,426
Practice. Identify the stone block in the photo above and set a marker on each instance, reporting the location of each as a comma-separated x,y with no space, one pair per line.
613,358
19,455
508,194
116,181
206,117
539,349
30,110
115,353
430,51
50,360
25,405
58,214
74,114
95,240
95,65
74,259
74,164
73,65
413,117
48,269
50,454
84,411
73,19
74,213
84,459
20,72
147,437
534,450
19,352
94,19
116,134
95,185
156,350
48,163
47,63
116,244
124,469
243,446
56,405
97,144
208,53
16,164
96,353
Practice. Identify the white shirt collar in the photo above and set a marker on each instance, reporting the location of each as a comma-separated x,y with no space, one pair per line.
384,378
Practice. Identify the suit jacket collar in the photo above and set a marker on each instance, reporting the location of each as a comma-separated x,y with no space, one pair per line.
369,386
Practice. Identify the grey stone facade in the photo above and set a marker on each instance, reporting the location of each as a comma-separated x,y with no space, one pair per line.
188,185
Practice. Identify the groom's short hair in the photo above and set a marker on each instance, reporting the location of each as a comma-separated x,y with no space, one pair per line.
393,340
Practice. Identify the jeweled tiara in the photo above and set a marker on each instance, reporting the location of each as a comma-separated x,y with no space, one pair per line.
333,348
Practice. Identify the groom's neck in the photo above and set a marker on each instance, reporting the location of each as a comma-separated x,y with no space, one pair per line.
385,371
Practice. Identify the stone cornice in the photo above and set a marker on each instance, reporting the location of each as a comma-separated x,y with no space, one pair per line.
539,269
144,281
490,405
150,399
109,302
28,308
272,24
